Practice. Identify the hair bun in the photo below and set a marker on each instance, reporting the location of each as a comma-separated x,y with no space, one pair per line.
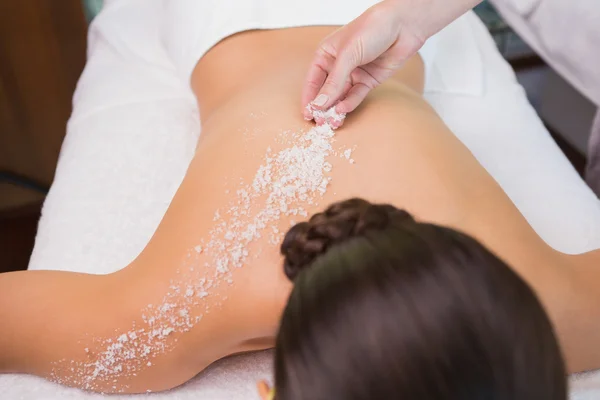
306,241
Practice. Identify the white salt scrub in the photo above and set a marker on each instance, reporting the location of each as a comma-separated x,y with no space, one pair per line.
293,176
326,117
285,183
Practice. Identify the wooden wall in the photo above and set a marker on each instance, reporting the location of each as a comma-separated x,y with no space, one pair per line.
42,54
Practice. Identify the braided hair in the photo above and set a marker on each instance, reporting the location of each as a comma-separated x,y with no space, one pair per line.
355,217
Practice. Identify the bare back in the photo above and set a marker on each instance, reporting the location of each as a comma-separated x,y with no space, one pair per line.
402,152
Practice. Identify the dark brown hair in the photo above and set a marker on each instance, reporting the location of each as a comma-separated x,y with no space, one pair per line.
384,307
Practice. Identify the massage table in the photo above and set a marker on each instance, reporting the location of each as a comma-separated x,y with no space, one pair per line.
133,132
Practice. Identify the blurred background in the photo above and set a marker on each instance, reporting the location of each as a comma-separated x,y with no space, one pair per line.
42,54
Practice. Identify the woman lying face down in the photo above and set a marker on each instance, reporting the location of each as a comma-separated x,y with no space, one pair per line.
208,284
385,307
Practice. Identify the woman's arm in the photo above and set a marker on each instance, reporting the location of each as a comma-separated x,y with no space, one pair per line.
45,314
66,327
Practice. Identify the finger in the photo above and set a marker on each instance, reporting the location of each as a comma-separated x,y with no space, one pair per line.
320,121
309,110
355,96
347,87
315,78
320,66
263,389
322,63
336,82
335,123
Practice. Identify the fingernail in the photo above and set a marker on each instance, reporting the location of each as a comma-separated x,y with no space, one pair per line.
320,100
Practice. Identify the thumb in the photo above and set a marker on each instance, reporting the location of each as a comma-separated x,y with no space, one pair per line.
335,83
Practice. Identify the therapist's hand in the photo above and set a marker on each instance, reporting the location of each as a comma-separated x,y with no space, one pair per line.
353,60
359,56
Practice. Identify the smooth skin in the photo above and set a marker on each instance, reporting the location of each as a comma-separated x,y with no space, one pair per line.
404,155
